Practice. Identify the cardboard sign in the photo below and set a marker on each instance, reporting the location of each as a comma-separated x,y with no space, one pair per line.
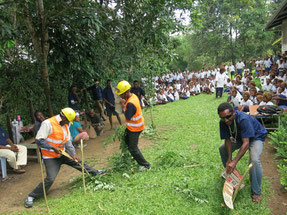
233,178
227,193
233,183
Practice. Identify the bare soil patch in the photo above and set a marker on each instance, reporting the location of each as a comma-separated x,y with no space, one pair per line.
277,201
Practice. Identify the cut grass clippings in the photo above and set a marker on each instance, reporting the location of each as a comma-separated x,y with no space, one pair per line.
169,188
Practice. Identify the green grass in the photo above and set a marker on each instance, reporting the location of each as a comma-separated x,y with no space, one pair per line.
189,134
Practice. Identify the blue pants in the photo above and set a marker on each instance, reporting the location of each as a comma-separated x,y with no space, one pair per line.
255,150
239,72
281,102
219,91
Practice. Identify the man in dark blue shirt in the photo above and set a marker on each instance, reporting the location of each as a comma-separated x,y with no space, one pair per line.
243,132
138,91
97,94
109,100
73,98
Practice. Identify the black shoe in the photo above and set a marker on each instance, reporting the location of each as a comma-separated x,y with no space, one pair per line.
29,202
101,171
144,168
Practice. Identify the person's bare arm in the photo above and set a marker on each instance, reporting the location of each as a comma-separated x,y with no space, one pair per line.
106,101
80,129
228,146
13,147
245,145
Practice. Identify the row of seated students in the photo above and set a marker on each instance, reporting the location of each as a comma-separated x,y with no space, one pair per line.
272,82
244,91
182,89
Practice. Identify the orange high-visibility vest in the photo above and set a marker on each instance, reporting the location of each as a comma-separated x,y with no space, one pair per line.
136,123
55,139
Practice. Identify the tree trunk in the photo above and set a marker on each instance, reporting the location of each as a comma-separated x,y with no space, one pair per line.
41,45
45,77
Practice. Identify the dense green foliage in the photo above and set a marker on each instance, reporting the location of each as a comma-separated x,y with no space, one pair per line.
229,30
188,138
60,43
279,139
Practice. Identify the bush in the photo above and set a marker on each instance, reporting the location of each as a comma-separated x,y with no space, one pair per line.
279,140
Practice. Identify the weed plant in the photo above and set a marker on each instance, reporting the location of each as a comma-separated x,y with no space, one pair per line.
124,161
279,140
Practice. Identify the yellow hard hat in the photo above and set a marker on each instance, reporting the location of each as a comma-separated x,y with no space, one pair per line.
122,87
69,113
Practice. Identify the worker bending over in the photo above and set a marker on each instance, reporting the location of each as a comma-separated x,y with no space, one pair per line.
53,138
134,122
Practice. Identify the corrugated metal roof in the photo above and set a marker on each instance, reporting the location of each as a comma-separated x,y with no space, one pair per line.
278,17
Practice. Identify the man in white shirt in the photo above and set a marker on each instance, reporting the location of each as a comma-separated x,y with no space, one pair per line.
54,137
231,69
259,64
240,66
267,64
220,79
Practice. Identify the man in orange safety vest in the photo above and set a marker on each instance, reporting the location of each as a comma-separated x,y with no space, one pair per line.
53,137
134,122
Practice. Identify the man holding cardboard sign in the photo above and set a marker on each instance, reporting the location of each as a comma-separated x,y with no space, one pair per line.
243,132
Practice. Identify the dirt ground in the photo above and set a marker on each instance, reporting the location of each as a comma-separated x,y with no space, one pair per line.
15,189
278,198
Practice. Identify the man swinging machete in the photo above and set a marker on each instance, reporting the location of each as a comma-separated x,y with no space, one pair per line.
54,137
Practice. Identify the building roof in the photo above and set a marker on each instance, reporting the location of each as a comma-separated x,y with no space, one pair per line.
278,17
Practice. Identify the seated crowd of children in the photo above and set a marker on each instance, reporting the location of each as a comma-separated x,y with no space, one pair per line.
271,88
181,85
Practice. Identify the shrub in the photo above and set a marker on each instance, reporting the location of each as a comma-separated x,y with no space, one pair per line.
279,140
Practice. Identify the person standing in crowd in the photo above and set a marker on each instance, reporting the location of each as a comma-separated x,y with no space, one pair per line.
134,122
53,138
73,98
231,69
243,132
240,67
39,119
259,64
109,100
220,80
97,93
16,155
249,65
138,91
267,63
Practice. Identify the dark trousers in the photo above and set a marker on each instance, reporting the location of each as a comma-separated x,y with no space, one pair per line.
52,168
219,91
239,72
132,140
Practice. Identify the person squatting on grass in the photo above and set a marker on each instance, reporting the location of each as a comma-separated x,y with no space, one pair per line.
134,122
243,132
53,138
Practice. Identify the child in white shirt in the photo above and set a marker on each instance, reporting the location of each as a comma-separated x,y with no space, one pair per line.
175,94
246,102
267,97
